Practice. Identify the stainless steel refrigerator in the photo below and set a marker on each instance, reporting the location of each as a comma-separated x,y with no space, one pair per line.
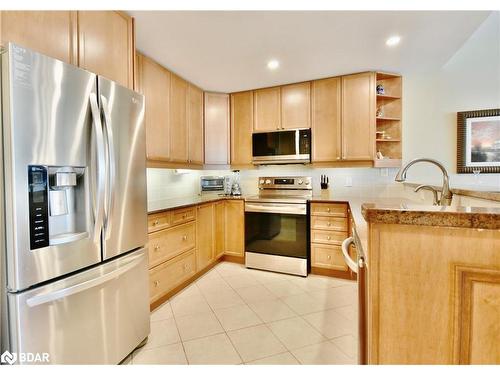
74,212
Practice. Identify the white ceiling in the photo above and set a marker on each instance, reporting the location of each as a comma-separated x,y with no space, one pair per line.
228,51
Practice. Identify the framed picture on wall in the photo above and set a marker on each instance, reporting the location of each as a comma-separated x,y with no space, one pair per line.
478,141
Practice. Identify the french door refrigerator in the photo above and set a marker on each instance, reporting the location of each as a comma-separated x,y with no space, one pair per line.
74,216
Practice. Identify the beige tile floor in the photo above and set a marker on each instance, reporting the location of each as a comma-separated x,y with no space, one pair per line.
234,315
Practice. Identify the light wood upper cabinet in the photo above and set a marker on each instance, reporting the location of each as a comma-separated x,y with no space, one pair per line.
155,85
267,109
241,127
52,33
296,106
235,228
216,128
195,125
220,229
358,116
106,45
178,119
205,224
326,120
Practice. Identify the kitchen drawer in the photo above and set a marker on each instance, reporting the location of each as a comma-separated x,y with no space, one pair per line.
183,215
168,243
168,275
329,223
159,221
329,209
328,256
328,237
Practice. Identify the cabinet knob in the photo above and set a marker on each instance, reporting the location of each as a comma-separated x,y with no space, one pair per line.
156,283
329,257
328,209
328,238
184,216
328,224
157,247
156,222
184,238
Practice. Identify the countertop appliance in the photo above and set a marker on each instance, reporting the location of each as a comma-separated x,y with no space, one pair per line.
211,184
282,147
74,267
277,225
359,267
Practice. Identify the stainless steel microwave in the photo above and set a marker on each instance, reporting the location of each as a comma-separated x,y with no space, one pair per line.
282,147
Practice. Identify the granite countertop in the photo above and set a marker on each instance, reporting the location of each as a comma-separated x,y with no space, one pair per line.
449,216
170,204
490,193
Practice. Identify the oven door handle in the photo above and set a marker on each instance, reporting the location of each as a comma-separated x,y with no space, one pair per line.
272,208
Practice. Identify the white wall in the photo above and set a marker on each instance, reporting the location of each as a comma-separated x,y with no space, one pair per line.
470,80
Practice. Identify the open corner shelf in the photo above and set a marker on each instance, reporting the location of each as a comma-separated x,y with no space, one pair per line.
384,118
389,140
388,97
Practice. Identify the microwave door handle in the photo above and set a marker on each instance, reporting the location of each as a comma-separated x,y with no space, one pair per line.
112,167
55,295
101,165
297,142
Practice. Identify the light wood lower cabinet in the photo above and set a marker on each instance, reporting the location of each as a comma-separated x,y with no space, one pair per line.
433,295
329,228
184,242
235,228
168,275
220,229
106,45
205,234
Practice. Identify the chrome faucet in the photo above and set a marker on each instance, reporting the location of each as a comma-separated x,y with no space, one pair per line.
446,194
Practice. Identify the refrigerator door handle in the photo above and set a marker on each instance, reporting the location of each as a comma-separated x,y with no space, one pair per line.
111,178
101,165
66,292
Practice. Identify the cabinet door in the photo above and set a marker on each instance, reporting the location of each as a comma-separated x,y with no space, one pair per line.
216,128
50,33
219,228
358,116
267,108
178,119
195,125
106,45
235,228
296,106
241,128
155,85
205,233
326,120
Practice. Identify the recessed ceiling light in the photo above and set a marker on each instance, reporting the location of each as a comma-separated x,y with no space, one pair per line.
393,41
273,64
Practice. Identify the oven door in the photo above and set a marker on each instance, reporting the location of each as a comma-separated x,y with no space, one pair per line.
276,229
289,146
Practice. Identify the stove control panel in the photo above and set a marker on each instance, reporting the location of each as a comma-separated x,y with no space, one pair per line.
285,183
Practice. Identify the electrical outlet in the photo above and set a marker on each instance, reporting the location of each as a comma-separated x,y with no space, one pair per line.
348,181
384,172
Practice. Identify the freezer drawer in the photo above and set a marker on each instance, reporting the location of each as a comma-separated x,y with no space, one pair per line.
97,316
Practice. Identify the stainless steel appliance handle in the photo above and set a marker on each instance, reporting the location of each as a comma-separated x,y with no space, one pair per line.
111,177
66,292
296,209
345,252
101,165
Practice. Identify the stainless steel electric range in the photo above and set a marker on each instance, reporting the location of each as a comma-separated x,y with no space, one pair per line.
277,225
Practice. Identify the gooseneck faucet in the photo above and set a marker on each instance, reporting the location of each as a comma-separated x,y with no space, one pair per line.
446,194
